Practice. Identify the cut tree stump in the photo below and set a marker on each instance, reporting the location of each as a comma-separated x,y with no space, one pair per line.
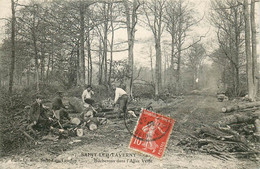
92,125
75,121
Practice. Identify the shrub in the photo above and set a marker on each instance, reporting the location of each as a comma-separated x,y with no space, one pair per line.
12,117
143,91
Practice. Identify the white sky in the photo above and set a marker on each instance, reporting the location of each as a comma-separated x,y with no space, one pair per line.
141,53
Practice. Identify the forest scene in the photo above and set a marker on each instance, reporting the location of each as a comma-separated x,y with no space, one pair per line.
76,75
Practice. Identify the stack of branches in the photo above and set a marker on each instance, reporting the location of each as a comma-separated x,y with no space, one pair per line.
13,122
232,136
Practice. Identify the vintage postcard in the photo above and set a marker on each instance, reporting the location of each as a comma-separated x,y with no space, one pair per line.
129,84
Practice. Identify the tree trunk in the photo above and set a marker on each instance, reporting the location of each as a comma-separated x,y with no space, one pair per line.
36,56
52,60
250,78
100,64
106,10
101,60
89,48
158,78
28,75
78,65
82,39
236,59
237,81
11,76
254,54
165,68
111,44
178,71
42,64
131,21
36,63
49,61
156,27
151,58
172,53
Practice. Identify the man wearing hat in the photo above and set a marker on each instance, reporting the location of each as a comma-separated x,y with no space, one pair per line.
86,96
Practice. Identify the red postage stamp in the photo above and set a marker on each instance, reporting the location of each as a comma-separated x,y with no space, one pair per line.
151,133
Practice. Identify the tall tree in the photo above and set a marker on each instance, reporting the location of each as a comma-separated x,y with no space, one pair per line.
111,42
11,76
253,41
250,82
171,26
82,41
154,12
227,17
89,45
102,30
131,21
179,18
250,52
196,55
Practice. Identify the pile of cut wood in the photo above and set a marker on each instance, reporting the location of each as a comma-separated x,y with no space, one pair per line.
242,107
103,110
235,135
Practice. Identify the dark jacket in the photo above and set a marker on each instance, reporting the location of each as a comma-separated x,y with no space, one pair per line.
37,112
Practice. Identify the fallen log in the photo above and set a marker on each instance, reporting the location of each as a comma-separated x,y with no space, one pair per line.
229,109
100,114
234,119
249,109
257,126
218,134
240,107
76,104
106,109
115,115
111,116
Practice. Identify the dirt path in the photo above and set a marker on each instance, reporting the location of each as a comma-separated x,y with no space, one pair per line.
107,147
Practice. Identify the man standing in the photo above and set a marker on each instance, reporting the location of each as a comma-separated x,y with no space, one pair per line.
86,96
121,98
